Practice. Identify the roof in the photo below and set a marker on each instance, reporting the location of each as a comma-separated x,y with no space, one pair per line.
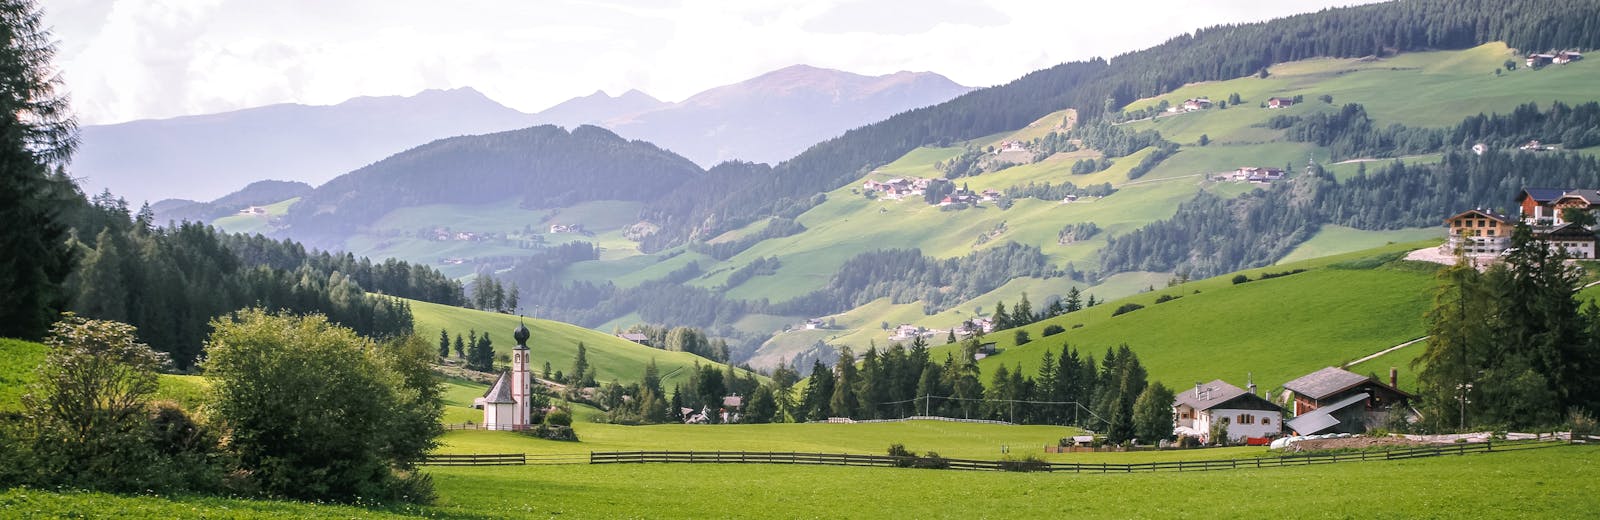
1218,393
1568,231
634,336
500,393
1325,382
732,401
1542,195
1484,212
1322,418
1589,196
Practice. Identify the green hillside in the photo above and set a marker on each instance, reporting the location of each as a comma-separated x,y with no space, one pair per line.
557,343
1421,89
1340,309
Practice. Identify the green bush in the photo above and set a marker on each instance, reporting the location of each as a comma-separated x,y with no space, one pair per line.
558,417
1051,330
1240,278
1126,308
1022,337
1028,463
554,432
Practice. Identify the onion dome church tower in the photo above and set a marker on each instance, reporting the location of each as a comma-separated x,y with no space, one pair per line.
507,405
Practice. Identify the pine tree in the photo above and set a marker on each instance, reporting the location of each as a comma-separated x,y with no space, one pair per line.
580,366
101,291
1022,314
485,354
461,348
512,299
1074,300
1000,319
1152,414
37,131
844,402
444,344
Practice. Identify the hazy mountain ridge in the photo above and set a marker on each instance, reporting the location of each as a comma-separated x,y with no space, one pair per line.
202,157
545,166
258,193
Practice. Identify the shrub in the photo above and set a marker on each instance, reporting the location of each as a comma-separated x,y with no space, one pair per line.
1126,308
554,432
1166,298
1077,325
1240,278
1022,337
558,417
905,458
1051,330
1025,464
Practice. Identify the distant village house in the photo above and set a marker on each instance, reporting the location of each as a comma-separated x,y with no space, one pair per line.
1279,102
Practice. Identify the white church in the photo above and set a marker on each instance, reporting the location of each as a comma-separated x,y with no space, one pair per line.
506,406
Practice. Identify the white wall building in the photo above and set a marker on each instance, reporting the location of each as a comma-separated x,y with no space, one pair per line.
1247,414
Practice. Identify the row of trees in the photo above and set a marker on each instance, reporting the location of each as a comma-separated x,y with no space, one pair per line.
1510,347
298,407
1022,313
489,295
476,352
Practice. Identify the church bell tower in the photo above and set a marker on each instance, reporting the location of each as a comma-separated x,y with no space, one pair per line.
521,380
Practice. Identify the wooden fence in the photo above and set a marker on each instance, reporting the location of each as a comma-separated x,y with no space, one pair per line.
845,459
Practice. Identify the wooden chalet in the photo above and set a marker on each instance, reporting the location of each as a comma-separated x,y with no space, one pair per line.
635,337
1334,400
1538,205
1278,102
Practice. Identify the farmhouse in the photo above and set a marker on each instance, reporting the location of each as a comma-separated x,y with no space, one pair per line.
1478,232
1334,400
1013,146
814,323
1533,146
1191,105
1540,59
635,337
1565,57
985,350
1245,413
1278,102
1257,174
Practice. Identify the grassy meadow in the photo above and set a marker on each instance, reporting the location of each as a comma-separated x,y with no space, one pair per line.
1555,482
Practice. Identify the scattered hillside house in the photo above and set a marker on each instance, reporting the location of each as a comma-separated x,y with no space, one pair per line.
1478,232
1538,205
1540,59
1533,146
1334,400
253,210
560,228
1565,57
1280,102
906,331
1191,105
1013,146
732,402
985,350
1245,413
1069,199
989,196
814,324
635,337
1480,148
1258,174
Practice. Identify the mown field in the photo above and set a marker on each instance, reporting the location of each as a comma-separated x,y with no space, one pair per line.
1556,482
1341,308
557,343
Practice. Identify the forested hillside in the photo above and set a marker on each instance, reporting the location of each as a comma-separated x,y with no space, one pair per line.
543,167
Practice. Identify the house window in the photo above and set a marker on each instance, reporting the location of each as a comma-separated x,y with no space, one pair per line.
1266,420
1245,419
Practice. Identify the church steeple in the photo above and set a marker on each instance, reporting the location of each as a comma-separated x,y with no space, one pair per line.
521,379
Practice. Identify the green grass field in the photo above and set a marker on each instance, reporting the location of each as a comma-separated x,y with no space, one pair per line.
1556,482
1275,329
557,343
250,224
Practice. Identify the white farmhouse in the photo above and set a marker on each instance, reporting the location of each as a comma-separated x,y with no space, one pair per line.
1246,414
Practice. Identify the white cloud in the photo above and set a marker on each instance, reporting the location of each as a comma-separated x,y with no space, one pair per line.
160,58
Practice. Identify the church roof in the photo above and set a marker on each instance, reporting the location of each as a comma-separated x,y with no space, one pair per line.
500,393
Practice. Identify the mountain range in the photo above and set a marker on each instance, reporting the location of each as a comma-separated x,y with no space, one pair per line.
766,119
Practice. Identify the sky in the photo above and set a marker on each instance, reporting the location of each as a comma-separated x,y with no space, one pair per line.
137,59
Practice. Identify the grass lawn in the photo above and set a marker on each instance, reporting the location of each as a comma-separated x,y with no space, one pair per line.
17,362
1556,482
250,224
1274,330
557,343
1334,240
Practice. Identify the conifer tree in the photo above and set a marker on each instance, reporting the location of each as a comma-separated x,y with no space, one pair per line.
444,344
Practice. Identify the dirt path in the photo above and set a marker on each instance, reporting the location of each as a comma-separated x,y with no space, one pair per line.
1384,351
